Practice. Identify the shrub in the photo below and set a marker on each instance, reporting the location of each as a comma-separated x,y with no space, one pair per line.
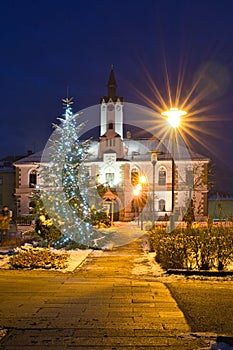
171,249
45,228
199,248
32,258
100,218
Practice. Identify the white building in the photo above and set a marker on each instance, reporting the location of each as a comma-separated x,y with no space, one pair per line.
116,165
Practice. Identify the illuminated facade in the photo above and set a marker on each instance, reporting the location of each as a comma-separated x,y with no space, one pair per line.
116,164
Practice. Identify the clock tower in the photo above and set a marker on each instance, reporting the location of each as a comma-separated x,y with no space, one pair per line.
111,109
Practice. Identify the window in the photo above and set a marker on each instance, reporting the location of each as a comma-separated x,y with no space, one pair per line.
162,176
32,206
32,178
109,178
162,206
189,177
134,176
110,126
1,180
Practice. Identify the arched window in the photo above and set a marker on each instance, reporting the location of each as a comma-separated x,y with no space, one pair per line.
134,176
162,176
109,178
162,205
32,178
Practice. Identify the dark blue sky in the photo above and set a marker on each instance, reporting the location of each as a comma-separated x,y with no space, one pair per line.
49,45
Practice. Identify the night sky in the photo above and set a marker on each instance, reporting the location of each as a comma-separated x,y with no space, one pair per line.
49,45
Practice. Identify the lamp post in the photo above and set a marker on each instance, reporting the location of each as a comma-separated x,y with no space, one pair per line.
173,118
142,182
154,158
139,191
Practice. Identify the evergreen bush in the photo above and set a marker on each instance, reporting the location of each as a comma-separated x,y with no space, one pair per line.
196,247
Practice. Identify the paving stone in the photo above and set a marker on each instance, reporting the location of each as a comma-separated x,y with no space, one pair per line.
101,305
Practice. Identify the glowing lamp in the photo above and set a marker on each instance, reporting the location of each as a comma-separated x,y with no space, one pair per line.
136,191
173,116
139,187
142,179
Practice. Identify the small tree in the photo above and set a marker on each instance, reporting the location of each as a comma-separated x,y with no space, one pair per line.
189,217
44,226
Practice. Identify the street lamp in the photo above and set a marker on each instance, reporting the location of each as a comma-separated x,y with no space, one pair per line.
173,118
139,192
154,158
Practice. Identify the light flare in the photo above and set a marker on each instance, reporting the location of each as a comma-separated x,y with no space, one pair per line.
197,100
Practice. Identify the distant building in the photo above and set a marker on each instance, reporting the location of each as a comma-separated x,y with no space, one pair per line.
220,206
8,182
116,163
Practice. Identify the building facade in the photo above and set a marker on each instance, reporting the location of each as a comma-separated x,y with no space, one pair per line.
8,183
127,183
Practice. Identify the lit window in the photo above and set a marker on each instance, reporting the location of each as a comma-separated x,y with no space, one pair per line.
162,176
134,176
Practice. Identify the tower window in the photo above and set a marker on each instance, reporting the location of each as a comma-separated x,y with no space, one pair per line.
110,126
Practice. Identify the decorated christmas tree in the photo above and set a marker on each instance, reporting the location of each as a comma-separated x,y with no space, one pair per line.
64,181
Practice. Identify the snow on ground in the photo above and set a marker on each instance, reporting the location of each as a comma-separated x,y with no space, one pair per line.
76,258
4,261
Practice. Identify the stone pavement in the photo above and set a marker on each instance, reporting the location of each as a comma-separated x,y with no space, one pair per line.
101,305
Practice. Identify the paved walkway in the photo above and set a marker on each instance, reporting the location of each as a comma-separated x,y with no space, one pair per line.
101,305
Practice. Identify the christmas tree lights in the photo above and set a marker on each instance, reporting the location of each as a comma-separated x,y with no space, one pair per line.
65,181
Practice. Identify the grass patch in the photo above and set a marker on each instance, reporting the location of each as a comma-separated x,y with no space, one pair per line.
207,305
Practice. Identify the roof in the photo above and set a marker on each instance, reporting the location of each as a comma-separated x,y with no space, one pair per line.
111,89
32,158
220,196
135,149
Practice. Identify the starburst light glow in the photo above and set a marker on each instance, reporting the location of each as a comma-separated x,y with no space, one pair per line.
174,116
193,91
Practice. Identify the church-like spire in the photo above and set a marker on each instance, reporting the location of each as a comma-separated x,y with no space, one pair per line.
112,85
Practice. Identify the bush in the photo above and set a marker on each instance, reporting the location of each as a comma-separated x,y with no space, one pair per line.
45,228
100,218
32,258
199,248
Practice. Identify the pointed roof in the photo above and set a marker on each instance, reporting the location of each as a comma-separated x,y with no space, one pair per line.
112,86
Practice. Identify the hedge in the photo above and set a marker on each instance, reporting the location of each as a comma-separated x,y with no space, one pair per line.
196,248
